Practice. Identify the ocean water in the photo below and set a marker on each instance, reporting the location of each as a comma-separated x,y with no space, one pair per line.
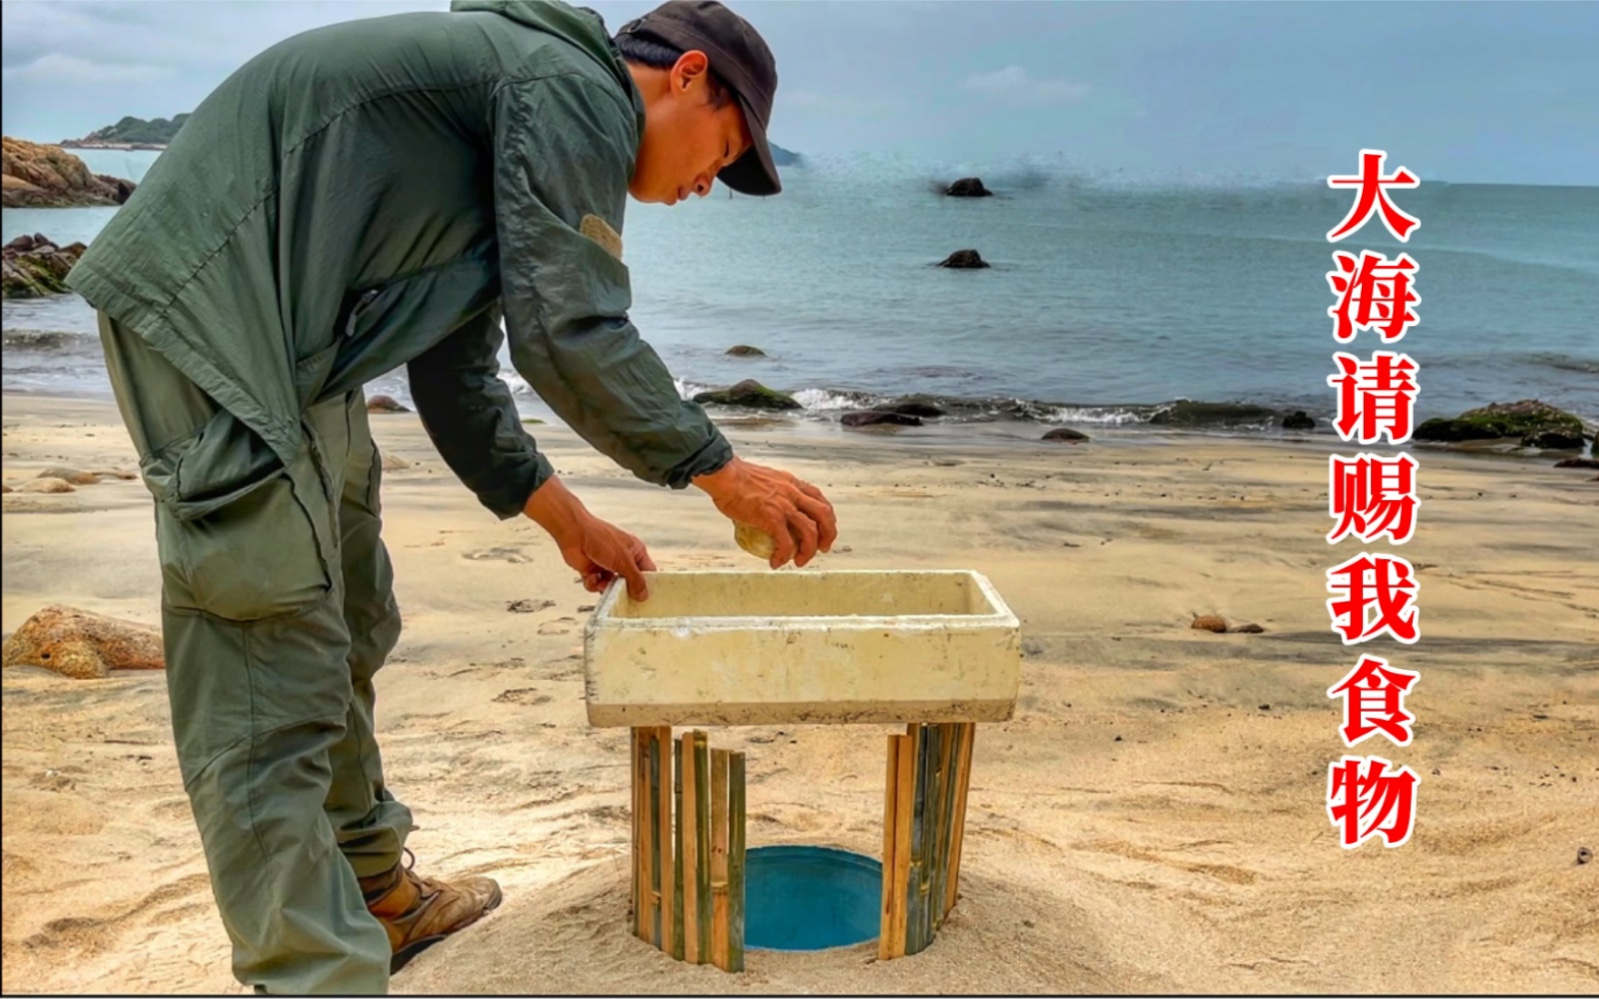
1106,301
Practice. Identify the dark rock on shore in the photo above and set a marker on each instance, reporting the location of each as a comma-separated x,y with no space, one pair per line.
1577,463
750,394
1536,424
968,187
744,350
33,267
1185,413
1299,420
1066,435
38,176
82,645
913,406
385,404
878,418
1555,440
966,260
121,189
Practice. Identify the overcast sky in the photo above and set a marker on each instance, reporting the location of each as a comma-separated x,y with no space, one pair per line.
1463,92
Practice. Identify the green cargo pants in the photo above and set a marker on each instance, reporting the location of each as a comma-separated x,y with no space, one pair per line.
277,609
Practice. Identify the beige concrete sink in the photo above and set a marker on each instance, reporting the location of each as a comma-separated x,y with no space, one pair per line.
759,648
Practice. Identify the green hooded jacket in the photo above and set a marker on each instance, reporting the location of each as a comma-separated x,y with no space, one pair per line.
378,193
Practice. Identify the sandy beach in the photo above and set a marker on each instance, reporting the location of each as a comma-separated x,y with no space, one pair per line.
1152,819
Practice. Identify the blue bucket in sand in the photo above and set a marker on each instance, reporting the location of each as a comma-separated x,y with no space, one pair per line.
803,898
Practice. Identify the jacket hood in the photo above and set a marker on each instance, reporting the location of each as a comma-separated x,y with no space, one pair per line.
579,26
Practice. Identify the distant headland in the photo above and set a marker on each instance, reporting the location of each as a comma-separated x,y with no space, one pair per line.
130,133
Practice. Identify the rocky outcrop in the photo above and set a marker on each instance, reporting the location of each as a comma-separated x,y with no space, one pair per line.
1534,423
745,350
968,187
749,394
37,176
1299,420
878,418
82,645
385,404
966,260
33,267
1065,435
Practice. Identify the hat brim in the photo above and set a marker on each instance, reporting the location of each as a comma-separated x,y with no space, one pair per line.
754,172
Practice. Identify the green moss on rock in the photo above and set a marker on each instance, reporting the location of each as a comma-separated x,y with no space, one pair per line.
1536,424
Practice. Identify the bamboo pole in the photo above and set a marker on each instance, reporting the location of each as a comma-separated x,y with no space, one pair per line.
636,769
922,840
958,822
949,752
735,862
652,809
885,933
937,818
719,843
702,847
649,890
677,850
904,813
668,869
688,826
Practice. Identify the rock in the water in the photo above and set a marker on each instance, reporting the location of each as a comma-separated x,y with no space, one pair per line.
385,404
394,463
745,350
913,406
40,176
1299,420
1554,440
1066,435
1528,419
1577,463
82,645
878,418
1209,622
1185,413
750,394
72,476
33,267
968,187
966,260
47,485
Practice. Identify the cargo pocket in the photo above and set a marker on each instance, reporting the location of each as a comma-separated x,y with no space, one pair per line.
236,531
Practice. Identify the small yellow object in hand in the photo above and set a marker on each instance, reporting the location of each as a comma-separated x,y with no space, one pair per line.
755,541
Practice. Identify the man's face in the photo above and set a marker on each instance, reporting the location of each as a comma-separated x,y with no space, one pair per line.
688,138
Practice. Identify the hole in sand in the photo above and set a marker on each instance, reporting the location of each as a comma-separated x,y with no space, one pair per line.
802,898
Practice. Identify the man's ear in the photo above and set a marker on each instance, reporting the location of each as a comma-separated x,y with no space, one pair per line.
690,68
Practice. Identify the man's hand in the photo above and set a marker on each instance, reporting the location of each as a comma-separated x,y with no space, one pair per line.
598,550
794,513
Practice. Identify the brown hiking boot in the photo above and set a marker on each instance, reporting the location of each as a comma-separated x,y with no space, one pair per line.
418,912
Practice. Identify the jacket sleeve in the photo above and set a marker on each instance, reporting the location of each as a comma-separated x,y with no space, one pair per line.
470,415
564,152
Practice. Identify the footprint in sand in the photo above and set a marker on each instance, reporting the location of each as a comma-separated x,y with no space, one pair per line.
502,554
559,626
523,695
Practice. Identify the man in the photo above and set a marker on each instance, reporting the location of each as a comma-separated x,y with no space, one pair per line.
362,196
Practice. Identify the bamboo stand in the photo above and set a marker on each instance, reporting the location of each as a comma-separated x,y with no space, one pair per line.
688,876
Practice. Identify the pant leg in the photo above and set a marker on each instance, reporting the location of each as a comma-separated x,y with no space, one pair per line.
370,824
256,648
